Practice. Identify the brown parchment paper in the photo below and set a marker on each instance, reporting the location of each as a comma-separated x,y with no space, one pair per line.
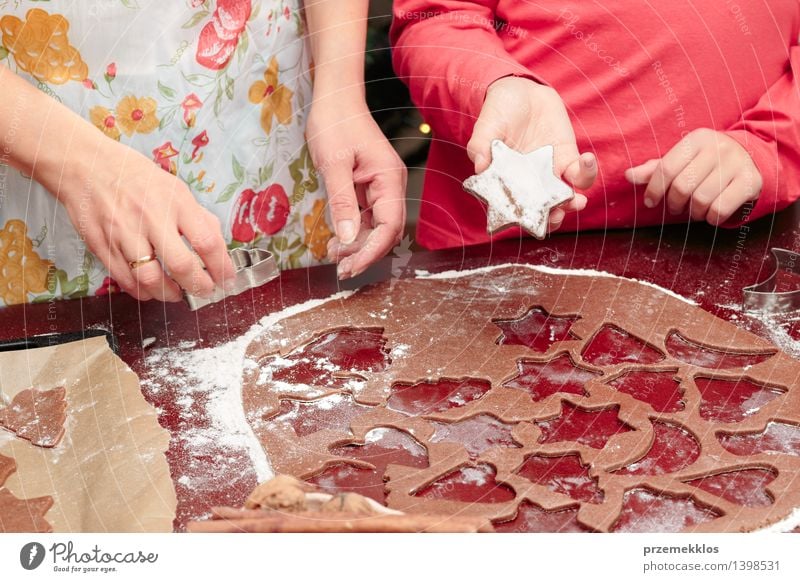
109,472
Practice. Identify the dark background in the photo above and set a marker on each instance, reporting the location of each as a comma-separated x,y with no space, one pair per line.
392,108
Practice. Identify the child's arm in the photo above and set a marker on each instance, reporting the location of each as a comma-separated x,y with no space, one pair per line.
448,53
526,116
359,166
472,91
715,173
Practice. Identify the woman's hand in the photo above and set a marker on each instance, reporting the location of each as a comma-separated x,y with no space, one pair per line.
127,208
707,170
526,116
365,180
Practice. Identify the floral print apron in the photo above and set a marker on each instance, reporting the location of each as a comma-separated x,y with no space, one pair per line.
214,91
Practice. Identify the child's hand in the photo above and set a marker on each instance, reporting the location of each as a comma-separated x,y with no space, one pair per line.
526,116
366,183
708,170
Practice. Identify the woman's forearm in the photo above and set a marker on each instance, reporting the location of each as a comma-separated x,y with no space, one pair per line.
337,32
41,137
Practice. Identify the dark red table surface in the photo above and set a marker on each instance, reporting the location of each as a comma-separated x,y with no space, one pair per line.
707,265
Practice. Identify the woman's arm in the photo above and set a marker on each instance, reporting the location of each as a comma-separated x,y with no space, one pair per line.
121,203
359,166
37,133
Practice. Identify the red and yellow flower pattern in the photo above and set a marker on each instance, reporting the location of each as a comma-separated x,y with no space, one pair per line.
275,99
218,102
39,44
22,270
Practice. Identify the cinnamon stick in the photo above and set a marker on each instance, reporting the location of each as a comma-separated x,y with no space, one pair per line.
231,520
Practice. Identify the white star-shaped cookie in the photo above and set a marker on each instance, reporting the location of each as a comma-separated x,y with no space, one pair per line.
520,189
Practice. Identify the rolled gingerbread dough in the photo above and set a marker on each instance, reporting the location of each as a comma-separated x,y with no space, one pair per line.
451,329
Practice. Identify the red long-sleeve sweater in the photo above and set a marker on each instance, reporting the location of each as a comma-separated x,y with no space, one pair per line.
635,76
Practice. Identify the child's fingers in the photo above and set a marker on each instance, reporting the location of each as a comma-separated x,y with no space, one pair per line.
641,175
557,215
342,200
687,181
582,172
705,194
665,172
479,148
577,204
729,201
555,220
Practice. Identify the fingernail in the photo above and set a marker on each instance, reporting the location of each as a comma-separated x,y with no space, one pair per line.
229,284
557,216
649,203
346,231
674,211
343,270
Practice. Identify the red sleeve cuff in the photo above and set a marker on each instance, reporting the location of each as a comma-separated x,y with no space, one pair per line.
765,157
468,81
486,75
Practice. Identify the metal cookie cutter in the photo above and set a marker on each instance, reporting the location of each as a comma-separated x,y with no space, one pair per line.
254,267
763,298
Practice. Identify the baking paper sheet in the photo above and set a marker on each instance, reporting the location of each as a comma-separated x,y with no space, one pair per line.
109,472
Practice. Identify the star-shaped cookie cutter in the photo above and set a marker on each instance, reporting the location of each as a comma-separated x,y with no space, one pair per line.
519,189
762,297
253,267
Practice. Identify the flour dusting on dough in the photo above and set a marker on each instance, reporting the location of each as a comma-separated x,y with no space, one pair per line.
785,525
217,374
550,270
775,326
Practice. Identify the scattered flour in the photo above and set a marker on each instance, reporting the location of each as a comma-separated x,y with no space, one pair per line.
474,476
549,270
376,434
215,374
329,402
399,350
774,326
785,525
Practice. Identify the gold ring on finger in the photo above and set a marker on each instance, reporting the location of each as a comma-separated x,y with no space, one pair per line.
142,261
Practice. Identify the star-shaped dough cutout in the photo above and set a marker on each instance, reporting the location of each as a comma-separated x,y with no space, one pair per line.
520,189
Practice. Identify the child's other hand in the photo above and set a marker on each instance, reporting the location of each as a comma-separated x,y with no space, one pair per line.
708,170
526,116
366,183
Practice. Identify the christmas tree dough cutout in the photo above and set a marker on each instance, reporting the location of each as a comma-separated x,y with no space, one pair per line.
520,189
37,416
